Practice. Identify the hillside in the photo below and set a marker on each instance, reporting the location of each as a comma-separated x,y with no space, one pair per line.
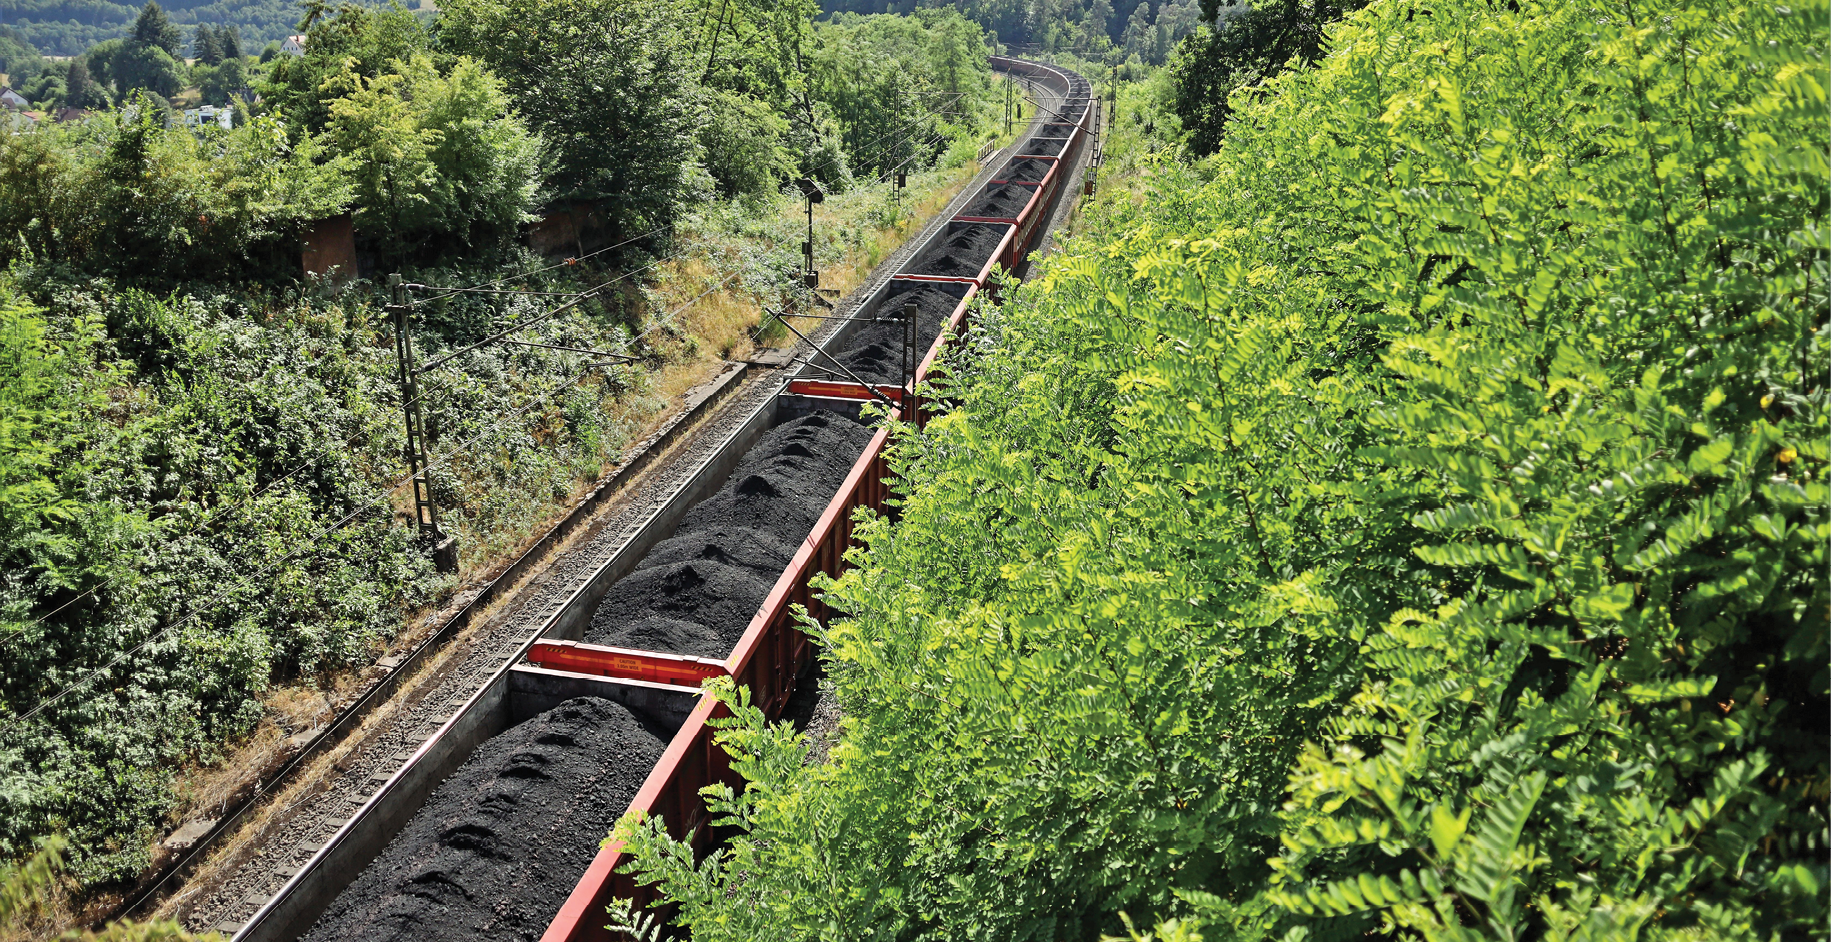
68,27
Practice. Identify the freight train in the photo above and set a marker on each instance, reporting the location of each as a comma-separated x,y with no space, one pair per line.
491,828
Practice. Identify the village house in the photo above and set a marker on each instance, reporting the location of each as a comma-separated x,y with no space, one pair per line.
223,116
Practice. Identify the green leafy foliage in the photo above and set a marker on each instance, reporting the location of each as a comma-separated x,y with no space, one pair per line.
153,28
434,157
123,194
608,85
221,83
354,39
1242,47
900,89
32,421
1414,521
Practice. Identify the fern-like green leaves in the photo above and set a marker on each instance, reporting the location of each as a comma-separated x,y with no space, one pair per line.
1417,523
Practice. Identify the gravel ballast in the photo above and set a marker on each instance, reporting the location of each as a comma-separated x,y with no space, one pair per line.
498,846
962,252
697,591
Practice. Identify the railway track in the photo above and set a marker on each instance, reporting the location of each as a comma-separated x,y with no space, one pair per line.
306,814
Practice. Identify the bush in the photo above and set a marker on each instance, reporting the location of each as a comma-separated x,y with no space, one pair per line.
123,194
437,161
1418,528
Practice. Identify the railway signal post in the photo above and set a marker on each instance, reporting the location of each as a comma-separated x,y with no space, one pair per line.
813,194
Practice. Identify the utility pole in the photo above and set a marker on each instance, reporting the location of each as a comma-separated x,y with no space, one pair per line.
425,511
896,113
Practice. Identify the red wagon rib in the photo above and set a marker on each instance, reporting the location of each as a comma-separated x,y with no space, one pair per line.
624,663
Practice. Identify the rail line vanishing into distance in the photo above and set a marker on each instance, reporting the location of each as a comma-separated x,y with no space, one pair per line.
583,687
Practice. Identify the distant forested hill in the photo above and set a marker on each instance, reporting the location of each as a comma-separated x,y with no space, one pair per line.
67,27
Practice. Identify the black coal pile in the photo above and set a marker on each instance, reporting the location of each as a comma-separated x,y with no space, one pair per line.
1044,146
875,351
1056,130
697,591
499,845
1001,201
962,252
1026,170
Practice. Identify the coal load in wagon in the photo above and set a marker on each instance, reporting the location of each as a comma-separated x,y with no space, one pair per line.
697,591
875,351
1044,146
1001,201
962,253
1026,170
499,845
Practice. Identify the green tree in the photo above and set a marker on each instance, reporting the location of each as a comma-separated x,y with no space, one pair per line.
1137,39
136,67
885,79
363,40
229,41
608,84
100,60
49,89
204,46
434,157
81,91
153,28
223,83
1243,49
744,143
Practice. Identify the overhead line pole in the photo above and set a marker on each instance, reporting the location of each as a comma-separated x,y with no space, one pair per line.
425,510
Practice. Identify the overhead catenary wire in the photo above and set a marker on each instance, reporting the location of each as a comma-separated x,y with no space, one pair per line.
817,351
569,261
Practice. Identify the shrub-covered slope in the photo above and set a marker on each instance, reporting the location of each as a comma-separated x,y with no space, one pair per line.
1420,522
